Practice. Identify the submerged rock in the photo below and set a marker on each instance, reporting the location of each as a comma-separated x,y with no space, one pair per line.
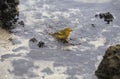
35,44
33,40
41,44
109,67
21,23
108,17
93,25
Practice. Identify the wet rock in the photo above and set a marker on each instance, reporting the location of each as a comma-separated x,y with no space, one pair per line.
108,17
6,56
109,68
34,43
48,71
22,69
41,44
19,49
33,40
21,23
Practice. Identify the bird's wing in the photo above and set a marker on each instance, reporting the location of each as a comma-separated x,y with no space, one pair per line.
59,33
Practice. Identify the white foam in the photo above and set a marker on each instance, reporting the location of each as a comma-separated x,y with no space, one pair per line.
58,72
79,77
98,42
99,58
58,76
93,1
69,48
22,7
4,74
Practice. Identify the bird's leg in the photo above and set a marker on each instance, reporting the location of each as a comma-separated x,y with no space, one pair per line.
63,41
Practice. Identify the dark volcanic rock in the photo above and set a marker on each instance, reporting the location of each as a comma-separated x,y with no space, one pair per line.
109,67
108,17
8,13
13,1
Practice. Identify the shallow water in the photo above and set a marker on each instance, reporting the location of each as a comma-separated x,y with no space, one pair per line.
24,60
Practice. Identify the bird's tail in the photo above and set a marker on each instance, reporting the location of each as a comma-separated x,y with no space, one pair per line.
51,34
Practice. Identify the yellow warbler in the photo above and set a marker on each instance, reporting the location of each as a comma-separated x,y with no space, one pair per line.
62,34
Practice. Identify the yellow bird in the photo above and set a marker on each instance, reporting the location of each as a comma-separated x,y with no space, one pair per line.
62,34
